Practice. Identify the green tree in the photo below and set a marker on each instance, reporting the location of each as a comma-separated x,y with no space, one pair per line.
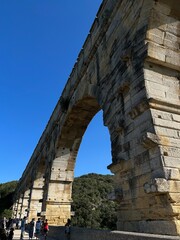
6,198
91,204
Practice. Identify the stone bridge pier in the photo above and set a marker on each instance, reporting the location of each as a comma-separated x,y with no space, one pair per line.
129,69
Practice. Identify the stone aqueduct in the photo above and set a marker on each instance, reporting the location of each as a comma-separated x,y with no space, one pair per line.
128,68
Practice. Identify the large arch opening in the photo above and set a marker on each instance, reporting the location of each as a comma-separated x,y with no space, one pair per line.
94,154
60,200
93,183
78,119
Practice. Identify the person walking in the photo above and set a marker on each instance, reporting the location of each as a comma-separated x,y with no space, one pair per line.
32,228
19,223
45,229
11,234
38,228
68,229
9,225
23,223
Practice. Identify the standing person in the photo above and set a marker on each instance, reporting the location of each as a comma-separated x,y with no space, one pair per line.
23,223
45,228
68,229
19,223
9,225
38,228
32,228
11,234
13,225
42,226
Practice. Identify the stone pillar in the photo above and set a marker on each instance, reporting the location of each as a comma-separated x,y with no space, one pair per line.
144,123
15,208
58,201
36,195
25,204
19,206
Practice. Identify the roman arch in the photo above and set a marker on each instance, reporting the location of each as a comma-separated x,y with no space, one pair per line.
128,68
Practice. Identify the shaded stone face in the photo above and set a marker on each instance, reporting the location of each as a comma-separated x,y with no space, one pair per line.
129,68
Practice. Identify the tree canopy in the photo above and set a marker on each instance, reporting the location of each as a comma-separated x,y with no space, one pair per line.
91,205
6,198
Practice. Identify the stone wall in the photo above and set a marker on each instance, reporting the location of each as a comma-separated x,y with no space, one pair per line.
90,234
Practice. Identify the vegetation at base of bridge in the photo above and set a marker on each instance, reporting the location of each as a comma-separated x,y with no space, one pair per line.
91,205
6,198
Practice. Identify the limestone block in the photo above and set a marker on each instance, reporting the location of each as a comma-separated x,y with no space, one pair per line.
173,27
56,191
70,176
164,56
56,214
154,152
155,163
174,197
142,168
159,185
151,75
144,114
176,117
172,96
172,173
164,210
171,83
155,90
156,52
126,215
172,58
149,140
172,162
166,123
170,151
174,186
37,194
141,203
39,184
171,41
156,35
161,114
162,131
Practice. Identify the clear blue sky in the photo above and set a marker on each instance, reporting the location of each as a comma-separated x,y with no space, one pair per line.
39,43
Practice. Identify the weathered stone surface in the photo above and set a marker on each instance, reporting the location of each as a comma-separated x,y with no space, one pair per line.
91,234
128,68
